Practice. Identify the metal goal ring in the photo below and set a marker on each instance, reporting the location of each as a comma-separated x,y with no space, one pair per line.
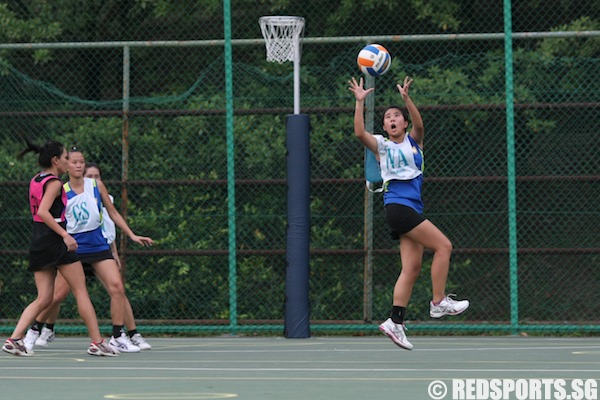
282,36
281,20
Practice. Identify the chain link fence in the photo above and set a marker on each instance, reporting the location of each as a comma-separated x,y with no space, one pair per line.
141,89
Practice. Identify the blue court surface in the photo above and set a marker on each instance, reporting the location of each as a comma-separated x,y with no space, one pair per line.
261,368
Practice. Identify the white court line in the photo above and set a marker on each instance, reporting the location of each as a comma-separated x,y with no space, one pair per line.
348,350
130,361
170,396
220,378
47,353
221,369
386,350
270,350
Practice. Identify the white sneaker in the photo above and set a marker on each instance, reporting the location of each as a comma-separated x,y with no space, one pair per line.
396,333
102,350
123,344
140,342
17,348
46,337
30,339
448,306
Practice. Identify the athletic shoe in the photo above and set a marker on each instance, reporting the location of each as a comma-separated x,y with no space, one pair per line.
448,306
123,344
102,349
140,342
16,347
30,339
46,337
396,333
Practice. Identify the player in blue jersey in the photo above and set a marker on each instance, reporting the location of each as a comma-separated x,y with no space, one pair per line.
110,233
400,156
86,197
53,249
41,333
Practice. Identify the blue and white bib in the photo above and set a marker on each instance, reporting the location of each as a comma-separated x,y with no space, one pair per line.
402,171
84,217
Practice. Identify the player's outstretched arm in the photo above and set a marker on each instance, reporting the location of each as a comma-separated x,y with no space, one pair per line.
360,93
119,220
418,129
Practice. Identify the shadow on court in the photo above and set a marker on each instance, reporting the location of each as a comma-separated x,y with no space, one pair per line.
277,368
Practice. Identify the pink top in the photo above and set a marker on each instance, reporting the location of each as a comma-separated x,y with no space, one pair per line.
36,192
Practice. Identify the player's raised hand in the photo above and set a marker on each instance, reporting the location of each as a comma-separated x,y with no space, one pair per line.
360,93
404,89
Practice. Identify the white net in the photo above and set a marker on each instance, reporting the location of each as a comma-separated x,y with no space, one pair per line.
282,36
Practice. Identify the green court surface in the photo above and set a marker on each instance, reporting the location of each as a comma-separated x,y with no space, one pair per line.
277,368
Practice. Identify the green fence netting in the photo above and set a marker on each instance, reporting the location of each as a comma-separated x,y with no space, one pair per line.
173,133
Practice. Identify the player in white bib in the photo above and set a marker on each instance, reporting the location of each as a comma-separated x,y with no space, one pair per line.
42,333
109,230
86,198
400,158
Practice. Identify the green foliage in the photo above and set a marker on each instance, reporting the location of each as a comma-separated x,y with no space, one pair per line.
441,13
29,27
177,189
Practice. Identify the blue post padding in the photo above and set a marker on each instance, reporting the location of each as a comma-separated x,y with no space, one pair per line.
297,310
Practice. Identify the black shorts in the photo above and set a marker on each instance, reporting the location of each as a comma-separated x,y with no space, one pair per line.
401,219
48,250
88,259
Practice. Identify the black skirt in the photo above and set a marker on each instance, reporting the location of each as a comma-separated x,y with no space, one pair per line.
48,250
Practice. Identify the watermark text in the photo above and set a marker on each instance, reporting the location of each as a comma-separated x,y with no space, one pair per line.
520,389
